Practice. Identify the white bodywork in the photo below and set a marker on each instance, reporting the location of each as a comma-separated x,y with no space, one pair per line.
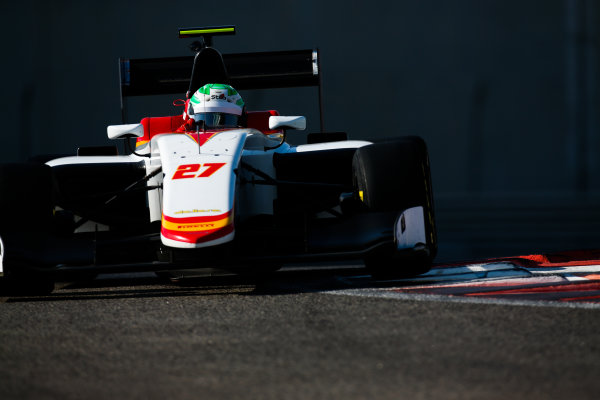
191,189
279,121
410,229
1,257
197,197
123,131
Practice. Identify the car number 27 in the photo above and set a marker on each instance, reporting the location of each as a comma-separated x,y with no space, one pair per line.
193,170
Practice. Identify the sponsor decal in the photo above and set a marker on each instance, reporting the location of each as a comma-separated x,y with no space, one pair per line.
187,171
195,224
197,229
194,211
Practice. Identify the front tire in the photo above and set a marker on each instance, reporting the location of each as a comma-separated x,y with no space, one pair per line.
391,177
26,206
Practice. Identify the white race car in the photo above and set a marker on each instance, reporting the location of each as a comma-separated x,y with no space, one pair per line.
216,186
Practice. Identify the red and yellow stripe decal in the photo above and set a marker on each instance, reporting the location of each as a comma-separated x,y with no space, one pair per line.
197,229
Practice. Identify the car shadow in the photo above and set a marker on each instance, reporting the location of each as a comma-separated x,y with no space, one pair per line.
289,280
148,285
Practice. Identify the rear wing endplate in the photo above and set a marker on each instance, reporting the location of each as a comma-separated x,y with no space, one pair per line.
264,70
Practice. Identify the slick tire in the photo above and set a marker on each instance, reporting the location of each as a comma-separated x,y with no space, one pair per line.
391,177
26,206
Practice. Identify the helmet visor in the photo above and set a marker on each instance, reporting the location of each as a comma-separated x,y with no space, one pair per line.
217,120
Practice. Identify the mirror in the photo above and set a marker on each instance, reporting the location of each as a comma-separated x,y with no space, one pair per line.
125,131
278,121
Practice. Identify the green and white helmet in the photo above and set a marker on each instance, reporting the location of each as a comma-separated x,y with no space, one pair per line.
216,104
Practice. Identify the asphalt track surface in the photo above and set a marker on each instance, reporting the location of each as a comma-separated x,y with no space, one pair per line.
331,333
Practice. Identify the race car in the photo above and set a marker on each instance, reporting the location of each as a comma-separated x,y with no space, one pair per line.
217,185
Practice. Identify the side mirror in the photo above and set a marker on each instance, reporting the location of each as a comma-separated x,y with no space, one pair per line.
125,131
277,121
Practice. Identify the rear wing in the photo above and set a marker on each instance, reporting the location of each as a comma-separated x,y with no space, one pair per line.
264,70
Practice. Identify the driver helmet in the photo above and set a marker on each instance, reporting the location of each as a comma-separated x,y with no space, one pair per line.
216,104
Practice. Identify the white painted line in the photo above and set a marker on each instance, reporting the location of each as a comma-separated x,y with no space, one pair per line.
566,270
388,294
526,279
464,277
574,278
472,268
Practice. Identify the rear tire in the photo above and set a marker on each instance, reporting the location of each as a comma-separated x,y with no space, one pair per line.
391,177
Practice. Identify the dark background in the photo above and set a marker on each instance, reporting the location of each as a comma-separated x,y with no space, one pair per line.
505,92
